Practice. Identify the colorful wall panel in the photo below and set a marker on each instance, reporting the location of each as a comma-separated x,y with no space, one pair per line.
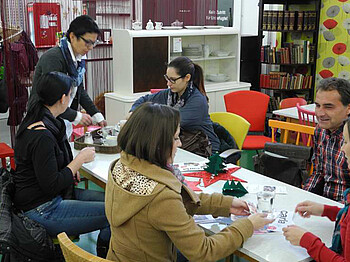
333,58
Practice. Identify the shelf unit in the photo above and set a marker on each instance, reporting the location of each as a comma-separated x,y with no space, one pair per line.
143,67
298,86
141,56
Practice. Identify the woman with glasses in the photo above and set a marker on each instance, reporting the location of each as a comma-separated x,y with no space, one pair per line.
68,58
46,171
186,93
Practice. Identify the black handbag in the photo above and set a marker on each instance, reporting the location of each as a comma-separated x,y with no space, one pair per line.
195,141
284,162
22,239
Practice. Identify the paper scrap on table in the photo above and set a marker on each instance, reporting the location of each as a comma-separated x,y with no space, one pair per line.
190,166
255,188
284,218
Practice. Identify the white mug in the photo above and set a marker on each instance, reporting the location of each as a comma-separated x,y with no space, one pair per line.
159,25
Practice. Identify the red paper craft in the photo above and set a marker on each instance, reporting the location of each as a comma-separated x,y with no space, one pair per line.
208,179
193,185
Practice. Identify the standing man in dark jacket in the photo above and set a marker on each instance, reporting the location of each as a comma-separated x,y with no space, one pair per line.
67,58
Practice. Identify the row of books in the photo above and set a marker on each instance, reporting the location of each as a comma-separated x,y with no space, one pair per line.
284,80
289,20
298,52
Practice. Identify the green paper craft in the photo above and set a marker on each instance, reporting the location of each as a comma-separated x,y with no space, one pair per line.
215,165
232,189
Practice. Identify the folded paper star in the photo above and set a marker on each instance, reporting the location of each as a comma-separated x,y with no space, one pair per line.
208,179
193,185
232,188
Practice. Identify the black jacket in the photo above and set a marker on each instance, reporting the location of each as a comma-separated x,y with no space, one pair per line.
53,60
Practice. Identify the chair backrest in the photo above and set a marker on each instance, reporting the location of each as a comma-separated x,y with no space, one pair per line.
73,253
236,125
251,105
306,117
286,127
292,102
154,90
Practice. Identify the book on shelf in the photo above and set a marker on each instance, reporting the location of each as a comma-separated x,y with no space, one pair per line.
274,20
284,80
269,20
297,52
264,24
312,53
280,20
312,23
286,20
289,20
306,20
300,20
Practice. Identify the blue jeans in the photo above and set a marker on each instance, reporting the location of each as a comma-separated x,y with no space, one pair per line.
84,214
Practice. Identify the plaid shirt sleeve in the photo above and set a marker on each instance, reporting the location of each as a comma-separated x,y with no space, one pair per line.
317,174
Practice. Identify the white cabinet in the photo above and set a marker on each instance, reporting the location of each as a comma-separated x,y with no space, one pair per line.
140,58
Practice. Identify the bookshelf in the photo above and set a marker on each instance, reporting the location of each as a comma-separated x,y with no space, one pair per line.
288,69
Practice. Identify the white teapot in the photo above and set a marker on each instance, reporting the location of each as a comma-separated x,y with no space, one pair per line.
149,25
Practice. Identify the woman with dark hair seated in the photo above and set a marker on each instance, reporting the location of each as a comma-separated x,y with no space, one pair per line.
46,171
149,207
186,92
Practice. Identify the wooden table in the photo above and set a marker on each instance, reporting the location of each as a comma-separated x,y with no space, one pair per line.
270,247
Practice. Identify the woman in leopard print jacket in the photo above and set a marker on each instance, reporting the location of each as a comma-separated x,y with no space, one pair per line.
150,210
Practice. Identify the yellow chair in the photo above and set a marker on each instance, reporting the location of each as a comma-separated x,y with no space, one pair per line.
73,253
286,127
236,125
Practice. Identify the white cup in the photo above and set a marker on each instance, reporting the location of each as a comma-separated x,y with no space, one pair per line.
159,25
106,36
111,140
121,123
206,50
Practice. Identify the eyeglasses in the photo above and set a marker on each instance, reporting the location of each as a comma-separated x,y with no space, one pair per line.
89,43
171,80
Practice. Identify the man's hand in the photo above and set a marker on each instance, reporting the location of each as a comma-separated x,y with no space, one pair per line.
86,120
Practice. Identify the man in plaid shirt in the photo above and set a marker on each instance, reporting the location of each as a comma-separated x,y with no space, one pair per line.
331,174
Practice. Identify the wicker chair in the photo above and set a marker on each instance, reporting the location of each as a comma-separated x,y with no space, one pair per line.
73,253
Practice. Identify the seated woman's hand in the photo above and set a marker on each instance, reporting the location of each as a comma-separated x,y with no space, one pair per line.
87,154
309,208
259,220
293,234
239,207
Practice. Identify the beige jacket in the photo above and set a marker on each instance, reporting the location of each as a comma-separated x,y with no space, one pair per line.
150,212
